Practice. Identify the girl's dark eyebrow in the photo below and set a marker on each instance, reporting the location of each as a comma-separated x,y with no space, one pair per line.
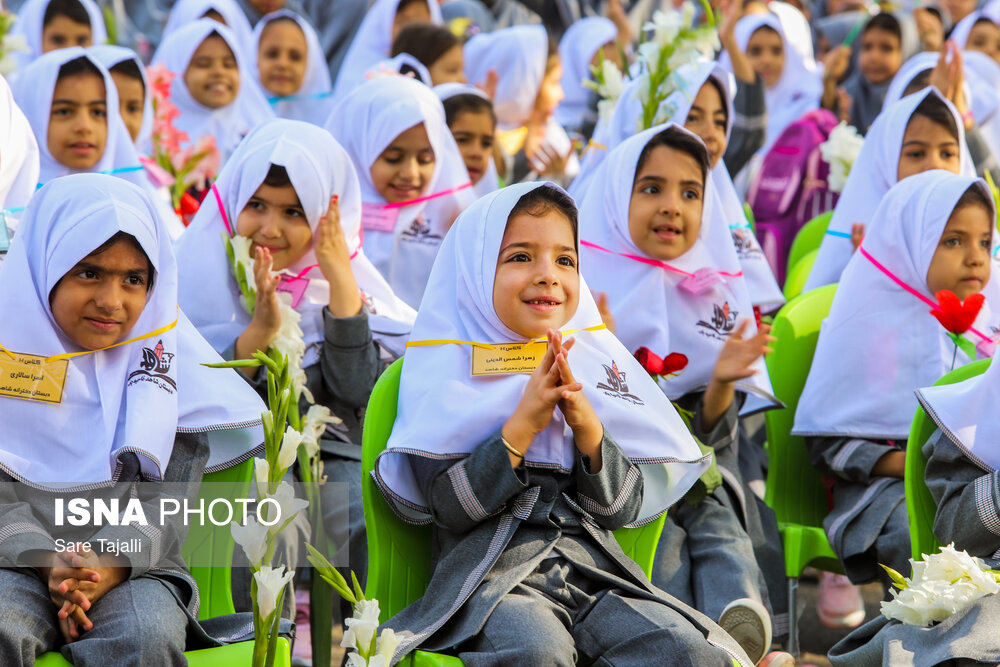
84,265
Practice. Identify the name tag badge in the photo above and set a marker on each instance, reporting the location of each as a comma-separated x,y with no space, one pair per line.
296,287
28,376
507,358
377,218
701,281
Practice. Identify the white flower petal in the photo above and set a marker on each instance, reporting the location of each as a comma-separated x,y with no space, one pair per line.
270,581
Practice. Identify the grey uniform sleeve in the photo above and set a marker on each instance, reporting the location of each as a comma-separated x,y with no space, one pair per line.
981,154
749,125
20,530
725,432
851,459
349,359
968,498
613,495
462,495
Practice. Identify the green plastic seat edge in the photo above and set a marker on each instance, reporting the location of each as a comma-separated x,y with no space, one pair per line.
808,238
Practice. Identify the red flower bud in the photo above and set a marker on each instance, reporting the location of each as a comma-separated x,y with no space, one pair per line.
955,316
651,363
674,363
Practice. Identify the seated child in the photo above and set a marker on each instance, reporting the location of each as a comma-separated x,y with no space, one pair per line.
289,64
135,101
978,32
644,233
919,132
525,476
469,114
934,233
226,12
961,455
436,48
91,278
214,90
47,25
413,180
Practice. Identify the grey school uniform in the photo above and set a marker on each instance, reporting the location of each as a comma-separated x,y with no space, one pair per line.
867,524
730,530
527,571
149,619
968,514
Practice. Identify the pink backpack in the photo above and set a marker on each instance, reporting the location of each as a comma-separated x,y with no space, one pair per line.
790,189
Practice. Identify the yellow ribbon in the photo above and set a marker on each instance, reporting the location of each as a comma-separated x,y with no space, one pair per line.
490,346
70,355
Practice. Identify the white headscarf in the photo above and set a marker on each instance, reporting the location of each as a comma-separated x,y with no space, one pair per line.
467,409
367,121
490,180
131,398
960,33
228,124
33,91
29,25
19,163
318,168
109,56
796,92
518,55
373,43
313,101
651,308
880,343
576,49
397,64
186,12
873,173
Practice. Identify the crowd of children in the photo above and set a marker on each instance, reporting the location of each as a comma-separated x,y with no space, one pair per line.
573,182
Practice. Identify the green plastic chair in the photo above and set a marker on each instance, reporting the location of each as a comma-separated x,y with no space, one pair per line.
920,505
808,238
795,279
794,487
211,544
399,554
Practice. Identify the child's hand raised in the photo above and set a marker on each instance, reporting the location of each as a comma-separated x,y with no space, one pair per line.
334,260
579,413
738,355
266,315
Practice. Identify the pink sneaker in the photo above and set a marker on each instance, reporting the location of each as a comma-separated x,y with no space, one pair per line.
302,649
839,603
777,659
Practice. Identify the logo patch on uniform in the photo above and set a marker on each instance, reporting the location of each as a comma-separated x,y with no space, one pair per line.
722,322
744,244
419,231
616,385
154,367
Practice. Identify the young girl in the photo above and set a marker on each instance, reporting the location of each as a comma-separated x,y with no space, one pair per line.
135,102
979,32
72,104
469,114
436,48
213,89
525,472
227,12
19,166
47,25
528,91
290,67
581,48
413,180
373,39
921,131
644,232
935,232
91,277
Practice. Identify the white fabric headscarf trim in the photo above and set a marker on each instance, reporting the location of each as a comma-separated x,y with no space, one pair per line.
109,56
20,164
576,49
29,25
880,343
650,307
466,409
318,168
373,43
313,101
368,120
186,12
228,124
960,33
490,180
518,55
112,402
873,173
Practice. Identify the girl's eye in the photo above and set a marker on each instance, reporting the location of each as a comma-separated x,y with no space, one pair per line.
87,274
425,159
487,143
916,155
691,193
135,281
650,190
519,257
566,260
952,242
294,213
62,111
255,205
229,63
947,154
985,243
462,141
720,124
692,118
99,113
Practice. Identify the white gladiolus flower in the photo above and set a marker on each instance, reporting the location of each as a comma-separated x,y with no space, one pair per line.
361,627
665,26
241,251
613,82
261,473
840,151
355,660
289,505
940,586
289,448
687,14
387,644
270,581
7,65
253,538
314,425
649,53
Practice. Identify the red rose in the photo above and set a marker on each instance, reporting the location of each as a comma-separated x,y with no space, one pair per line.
651,363
674,363
955,316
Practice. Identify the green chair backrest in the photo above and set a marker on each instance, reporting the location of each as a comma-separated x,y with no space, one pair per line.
920,505
399,554
794,487
809,238
795,279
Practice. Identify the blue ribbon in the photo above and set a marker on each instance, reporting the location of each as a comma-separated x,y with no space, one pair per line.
843,235
296,98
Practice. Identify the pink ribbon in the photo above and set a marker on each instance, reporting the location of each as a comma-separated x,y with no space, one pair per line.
654,262
434,195
930,302
222,209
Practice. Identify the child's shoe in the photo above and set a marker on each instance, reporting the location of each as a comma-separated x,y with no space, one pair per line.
748,622
839,603
777,659
302,649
